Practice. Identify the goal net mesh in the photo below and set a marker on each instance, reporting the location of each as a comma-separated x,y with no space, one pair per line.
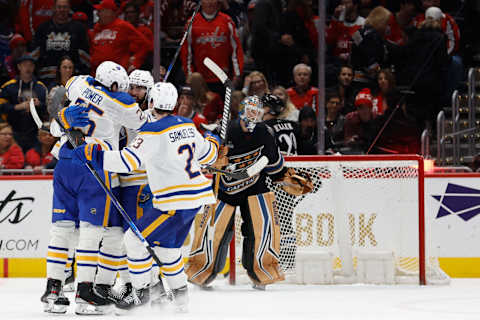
364,205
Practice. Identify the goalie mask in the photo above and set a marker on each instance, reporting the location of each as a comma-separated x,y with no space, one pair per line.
163,96
252,112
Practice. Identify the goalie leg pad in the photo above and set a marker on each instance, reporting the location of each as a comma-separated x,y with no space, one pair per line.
58,248
261,247
210,245
111,256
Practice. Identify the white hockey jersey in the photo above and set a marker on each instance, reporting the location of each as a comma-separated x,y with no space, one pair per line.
172,151
106,110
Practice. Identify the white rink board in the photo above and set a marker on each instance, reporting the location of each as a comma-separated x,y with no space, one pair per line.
25,218
451,235
28,235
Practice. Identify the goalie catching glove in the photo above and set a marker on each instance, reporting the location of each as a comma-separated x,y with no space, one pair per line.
295,184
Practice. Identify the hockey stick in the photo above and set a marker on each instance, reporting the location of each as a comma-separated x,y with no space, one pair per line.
212,66
170,67
36,118
109,192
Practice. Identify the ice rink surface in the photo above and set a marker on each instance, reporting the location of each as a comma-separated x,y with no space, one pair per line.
20,299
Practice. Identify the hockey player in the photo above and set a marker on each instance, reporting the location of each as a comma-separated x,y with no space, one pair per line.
249,143
286,131
172,151
97,105
140,82
135,193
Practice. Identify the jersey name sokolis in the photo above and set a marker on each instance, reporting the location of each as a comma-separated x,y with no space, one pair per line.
181,134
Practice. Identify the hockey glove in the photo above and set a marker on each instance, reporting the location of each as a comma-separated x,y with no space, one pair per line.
295,184
145,198
73,116
222,159
91,153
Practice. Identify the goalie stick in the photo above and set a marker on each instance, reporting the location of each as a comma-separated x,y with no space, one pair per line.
222,76
97,177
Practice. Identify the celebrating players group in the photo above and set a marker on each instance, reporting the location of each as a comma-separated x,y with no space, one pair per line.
121,126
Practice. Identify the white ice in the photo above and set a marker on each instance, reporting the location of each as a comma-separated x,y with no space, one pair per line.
20,299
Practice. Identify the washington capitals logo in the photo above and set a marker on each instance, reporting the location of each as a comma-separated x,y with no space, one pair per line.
459,200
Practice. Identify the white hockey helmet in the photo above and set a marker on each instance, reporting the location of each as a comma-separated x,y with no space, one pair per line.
141,78
163,96
109,72
252,112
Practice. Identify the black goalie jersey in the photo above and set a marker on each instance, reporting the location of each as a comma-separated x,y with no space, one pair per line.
245,149
286,134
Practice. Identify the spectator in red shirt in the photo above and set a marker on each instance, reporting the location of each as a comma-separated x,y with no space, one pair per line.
386,83
11,155
145,8
213,35
356,127
31,14
39,157
209,103
303,94
400,21
186,108
343,25
132,15
116,40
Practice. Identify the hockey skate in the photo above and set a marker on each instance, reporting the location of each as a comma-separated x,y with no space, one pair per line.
89,302
106,292
54,301
69,285
180,299
136,298
159,296
259,287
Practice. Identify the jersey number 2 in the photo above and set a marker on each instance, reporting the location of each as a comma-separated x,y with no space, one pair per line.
188,167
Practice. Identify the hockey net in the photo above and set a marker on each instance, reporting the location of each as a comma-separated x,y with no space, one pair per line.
362,209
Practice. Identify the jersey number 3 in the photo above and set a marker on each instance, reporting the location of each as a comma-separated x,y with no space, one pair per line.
188,167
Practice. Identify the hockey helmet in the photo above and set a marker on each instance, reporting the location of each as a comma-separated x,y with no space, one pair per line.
141,78
252,112
275,104
163,96
109,72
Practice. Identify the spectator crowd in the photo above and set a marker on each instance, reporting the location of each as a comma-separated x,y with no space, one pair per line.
385,61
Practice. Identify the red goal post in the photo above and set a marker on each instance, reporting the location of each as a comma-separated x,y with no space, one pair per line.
362,208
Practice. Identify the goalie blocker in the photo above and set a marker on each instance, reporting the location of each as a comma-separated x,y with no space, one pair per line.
260,228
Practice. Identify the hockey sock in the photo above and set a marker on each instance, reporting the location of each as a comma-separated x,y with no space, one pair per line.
57,255
172,266
139,261
111,255
87,251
